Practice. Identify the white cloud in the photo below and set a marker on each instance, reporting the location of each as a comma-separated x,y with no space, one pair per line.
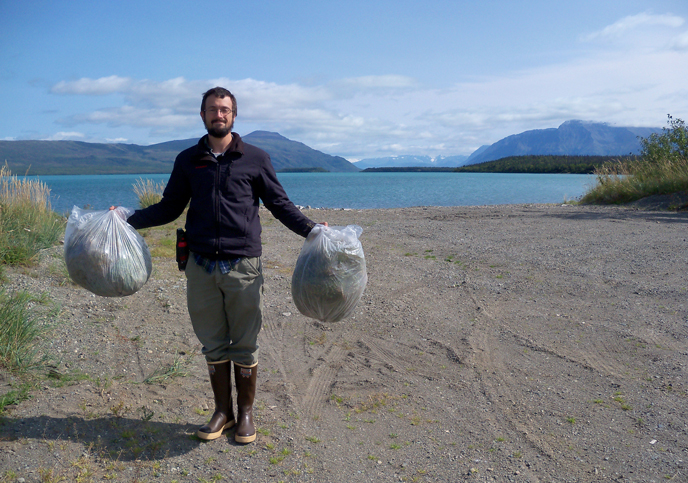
63,136
384,115
680,42
633,23
92,87
160,122
258,100
177,93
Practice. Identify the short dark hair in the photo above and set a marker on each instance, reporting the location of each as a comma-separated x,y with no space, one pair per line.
220,92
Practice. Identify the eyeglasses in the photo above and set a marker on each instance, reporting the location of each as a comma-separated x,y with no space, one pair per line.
222,110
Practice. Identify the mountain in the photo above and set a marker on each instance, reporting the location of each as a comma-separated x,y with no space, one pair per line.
573,138
410,161
287,154
76,157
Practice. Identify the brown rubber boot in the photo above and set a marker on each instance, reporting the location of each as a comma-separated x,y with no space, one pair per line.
245,380
223,418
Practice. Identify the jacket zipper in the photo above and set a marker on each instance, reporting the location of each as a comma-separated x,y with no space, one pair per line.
217,208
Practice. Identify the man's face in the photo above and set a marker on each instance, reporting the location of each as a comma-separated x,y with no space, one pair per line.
218,124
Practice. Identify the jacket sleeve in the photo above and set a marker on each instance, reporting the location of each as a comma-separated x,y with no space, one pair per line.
174,199
276,200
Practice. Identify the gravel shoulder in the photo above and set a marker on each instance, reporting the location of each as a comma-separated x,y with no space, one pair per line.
519,343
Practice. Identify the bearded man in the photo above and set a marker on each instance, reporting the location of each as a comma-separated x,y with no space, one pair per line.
223,180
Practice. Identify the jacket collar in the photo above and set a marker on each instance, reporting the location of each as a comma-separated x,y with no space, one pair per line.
236,148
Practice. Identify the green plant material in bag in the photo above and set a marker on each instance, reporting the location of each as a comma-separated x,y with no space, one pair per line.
105,254
330,274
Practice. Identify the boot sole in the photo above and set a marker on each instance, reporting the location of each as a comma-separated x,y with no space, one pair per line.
245,439
216,434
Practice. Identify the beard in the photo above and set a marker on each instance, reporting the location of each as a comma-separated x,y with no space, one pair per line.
218,130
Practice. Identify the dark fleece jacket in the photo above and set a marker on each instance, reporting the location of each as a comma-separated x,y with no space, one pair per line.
223,220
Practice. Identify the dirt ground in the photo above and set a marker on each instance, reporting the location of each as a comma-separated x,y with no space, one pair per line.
519,343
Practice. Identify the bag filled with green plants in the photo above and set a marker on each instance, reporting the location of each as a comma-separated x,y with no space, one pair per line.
330,274
105,254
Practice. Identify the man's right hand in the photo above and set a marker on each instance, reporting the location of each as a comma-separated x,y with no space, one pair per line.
119,213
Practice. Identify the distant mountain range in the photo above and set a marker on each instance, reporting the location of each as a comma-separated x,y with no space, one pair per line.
572,138
76,157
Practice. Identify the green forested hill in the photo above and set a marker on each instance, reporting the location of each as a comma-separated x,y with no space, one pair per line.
75,157
542,164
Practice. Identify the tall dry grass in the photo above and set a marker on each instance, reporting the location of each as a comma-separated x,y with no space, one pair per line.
27,222
623,182
27,225
148,191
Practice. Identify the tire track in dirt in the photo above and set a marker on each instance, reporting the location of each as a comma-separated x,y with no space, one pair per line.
308,387
491,372
456,355
322,379
594,353
589,357
497,387
659,340
376,352
273,341
393,361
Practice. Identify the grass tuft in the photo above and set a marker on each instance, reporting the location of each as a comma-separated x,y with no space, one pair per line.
24,329
148,191
163,374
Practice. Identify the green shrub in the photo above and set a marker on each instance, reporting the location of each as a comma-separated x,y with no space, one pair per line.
671,145
662,169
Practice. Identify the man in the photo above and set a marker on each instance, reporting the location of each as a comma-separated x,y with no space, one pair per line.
224,180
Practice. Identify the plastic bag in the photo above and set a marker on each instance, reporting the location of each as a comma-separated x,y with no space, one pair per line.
330,274
105,254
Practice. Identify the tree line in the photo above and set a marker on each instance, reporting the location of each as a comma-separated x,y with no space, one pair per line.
545,164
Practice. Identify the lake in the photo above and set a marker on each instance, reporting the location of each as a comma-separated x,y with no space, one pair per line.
349,190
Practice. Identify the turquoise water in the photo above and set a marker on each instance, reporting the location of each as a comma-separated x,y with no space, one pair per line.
350,190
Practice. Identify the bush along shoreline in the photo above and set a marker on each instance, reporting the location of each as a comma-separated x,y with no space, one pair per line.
661,169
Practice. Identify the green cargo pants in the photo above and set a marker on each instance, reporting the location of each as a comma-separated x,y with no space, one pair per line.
226,310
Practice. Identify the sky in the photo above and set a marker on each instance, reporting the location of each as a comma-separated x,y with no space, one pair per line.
357,79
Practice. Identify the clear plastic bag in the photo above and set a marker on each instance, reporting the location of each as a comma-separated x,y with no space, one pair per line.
105,254
330,274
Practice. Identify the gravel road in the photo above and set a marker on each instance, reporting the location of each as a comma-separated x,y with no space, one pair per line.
524,343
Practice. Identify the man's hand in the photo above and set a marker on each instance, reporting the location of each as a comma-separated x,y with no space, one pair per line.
119,213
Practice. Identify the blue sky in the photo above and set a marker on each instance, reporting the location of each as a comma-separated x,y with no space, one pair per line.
357,79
